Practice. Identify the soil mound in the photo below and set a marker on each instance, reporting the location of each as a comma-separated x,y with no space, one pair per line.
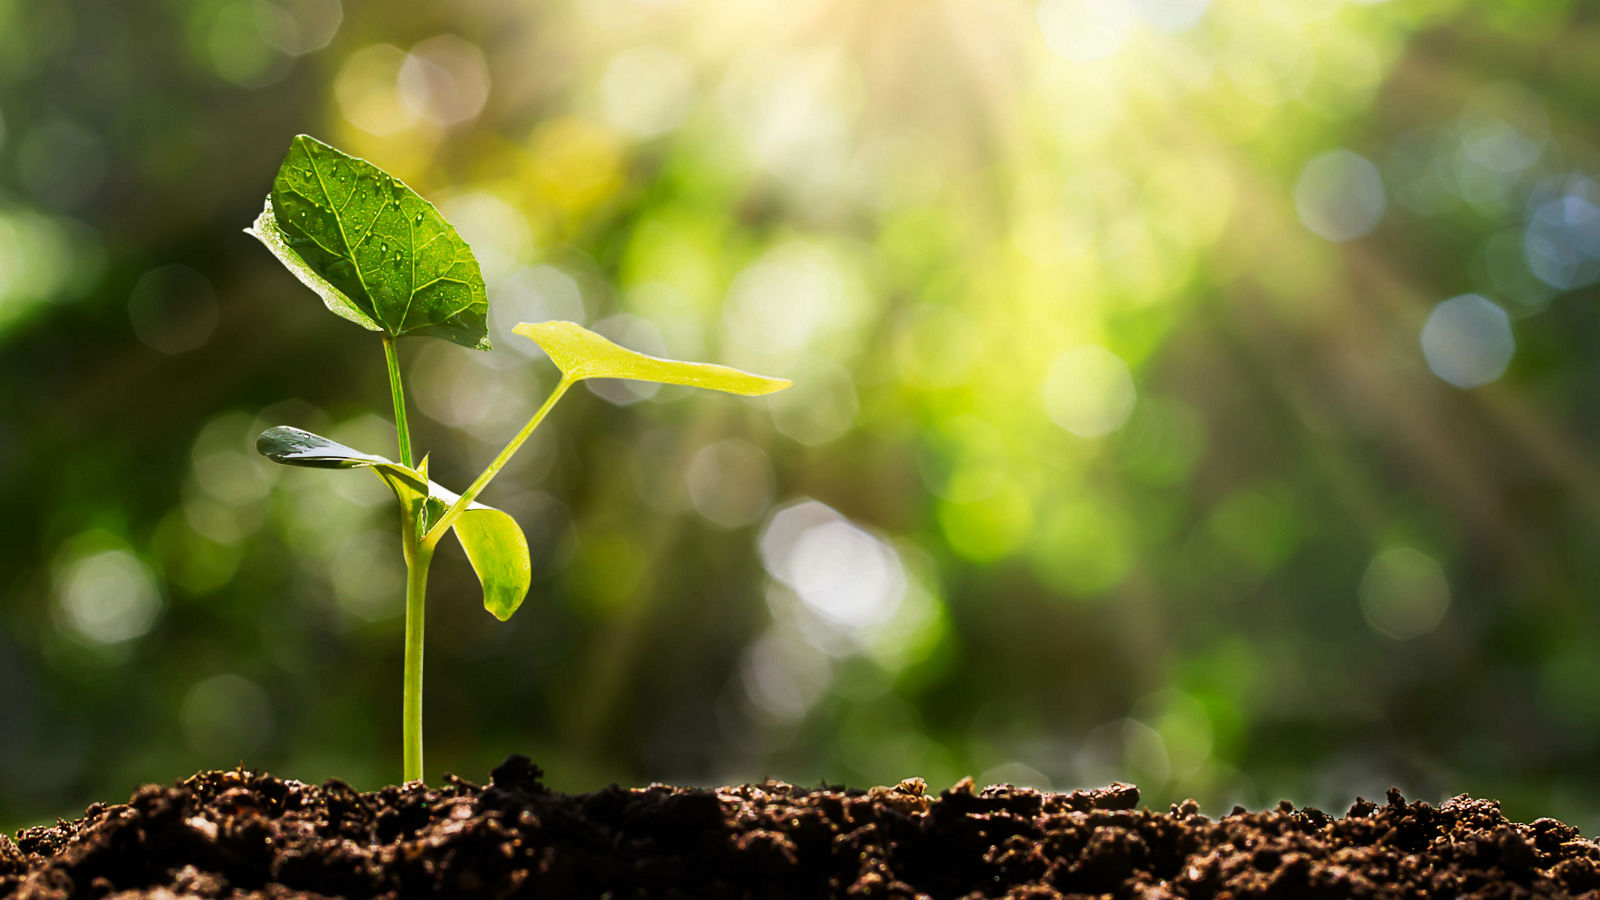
243,835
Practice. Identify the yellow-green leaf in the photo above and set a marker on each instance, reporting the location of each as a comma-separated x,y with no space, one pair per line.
496,547
580,353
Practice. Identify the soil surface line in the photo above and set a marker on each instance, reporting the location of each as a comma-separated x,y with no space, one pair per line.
242,835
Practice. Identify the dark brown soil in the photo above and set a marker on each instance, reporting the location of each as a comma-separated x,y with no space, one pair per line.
243,835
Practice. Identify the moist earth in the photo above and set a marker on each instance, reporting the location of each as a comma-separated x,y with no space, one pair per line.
239,834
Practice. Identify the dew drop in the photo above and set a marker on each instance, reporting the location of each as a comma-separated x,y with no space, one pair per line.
310,174
383,248
419,218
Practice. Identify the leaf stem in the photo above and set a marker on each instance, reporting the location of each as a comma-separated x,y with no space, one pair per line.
402,430
417,563
431,539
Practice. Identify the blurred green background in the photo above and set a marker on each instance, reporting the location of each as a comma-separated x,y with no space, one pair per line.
1197,394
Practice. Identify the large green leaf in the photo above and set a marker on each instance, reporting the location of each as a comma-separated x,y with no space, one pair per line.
494,543
580,353
371,247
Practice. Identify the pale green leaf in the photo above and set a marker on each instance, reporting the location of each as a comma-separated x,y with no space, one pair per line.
496,547
374,250
580,353
494,543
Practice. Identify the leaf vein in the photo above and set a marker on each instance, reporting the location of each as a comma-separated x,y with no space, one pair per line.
411,295
338,221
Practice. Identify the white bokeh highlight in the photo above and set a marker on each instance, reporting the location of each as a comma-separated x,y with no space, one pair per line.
1561,242
848,577
789,295
783,676
298,27
1089,391
107,597
444,80
1340,196
1467,341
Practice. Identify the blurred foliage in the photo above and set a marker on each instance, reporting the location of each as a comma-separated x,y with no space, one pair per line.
1140,428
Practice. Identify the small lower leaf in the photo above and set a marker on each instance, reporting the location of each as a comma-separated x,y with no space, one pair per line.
496,547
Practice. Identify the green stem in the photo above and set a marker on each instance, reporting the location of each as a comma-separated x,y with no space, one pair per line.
418,558
417,563
435,533
402,430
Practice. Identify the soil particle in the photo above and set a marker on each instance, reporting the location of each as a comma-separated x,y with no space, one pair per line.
241,835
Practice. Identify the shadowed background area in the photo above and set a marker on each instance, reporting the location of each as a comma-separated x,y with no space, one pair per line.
1200,394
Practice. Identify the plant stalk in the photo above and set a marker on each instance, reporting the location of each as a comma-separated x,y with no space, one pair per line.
417,562
439,528
402,430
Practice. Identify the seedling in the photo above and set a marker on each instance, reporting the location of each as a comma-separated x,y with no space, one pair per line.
381,256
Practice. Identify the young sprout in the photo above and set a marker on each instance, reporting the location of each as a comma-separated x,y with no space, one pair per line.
381,256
